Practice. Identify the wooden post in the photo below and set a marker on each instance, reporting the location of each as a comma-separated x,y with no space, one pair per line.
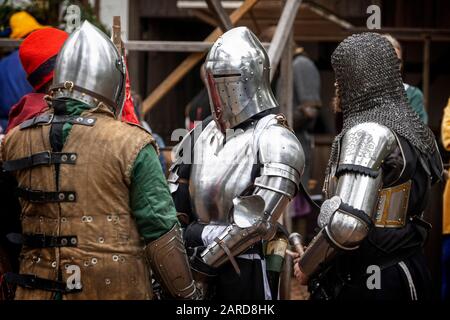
285,98
282,32
224,20
116,34
206,18
191,61
426,71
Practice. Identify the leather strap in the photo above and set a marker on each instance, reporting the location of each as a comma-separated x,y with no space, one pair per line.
230,256
38,159
46,241
31,281
46,119
38,196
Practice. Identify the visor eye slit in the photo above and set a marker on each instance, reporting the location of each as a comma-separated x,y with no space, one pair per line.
229,75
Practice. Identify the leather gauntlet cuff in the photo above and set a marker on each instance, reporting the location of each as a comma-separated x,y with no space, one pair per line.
169,262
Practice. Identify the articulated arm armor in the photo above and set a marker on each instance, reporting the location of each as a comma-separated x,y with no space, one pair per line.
168,261
346,218
255,216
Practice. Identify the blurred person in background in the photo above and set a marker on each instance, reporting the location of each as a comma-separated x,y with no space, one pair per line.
445,136
38,53
13,78
414,94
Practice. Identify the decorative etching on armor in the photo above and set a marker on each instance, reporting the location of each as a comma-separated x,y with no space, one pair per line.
358,144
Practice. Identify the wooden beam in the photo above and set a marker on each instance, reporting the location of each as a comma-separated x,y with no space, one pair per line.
172,46
189,4
255,22
328,15
224,20
116,34
285,96
201,15
191,61
282,33
168,46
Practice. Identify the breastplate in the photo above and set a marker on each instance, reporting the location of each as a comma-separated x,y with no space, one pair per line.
221,172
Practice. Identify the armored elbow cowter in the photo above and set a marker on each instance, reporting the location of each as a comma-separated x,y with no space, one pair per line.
347,217
168,261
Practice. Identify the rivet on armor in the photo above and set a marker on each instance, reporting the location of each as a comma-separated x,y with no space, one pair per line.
89,219
101,240
64,158
54,264
73,157
109,218
84,218
71,197
90,121
63,241
63,219
108,281
115,258
86,263
94,261
61,196
73,241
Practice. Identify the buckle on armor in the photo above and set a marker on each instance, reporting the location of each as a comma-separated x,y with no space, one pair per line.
393,206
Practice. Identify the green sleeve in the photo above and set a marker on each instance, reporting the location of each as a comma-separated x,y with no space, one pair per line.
415,98
150,199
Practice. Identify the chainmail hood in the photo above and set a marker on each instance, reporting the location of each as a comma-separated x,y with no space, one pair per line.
370,89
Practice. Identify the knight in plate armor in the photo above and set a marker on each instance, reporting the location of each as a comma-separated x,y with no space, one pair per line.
379,176
233,176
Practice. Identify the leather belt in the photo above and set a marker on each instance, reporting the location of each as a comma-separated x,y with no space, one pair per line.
31,281
45,241
38,196
46,119
41,158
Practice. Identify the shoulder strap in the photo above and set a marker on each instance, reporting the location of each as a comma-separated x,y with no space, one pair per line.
49,118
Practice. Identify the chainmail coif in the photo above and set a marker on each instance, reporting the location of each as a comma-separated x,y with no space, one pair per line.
371,89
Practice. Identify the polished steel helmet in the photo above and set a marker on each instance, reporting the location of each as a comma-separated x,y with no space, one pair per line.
238,78
90,69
